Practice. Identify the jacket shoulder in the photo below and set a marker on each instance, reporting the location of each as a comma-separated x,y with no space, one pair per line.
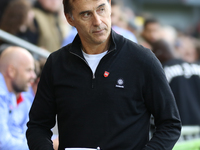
64,51
137,51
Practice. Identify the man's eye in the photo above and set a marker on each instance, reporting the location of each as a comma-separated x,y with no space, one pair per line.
101,10
86,15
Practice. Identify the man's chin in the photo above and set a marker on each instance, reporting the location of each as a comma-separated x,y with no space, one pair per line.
27,87
100,40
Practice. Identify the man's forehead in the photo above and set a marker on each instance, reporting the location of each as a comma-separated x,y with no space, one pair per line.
82,0
88,3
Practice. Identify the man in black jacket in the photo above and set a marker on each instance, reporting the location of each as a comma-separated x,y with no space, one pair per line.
103,89
183,78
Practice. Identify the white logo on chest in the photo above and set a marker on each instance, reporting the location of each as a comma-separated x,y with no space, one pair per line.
120,83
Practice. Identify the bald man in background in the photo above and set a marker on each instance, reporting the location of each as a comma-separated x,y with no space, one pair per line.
16,75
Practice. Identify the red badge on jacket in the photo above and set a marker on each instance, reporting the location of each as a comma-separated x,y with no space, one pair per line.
106,74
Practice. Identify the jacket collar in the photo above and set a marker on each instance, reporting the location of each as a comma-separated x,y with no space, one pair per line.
76,44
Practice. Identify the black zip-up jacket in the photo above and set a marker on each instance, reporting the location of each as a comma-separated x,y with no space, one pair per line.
184,81
110,109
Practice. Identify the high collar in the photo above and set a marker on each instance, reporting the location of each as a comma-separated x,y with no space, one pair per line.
76,44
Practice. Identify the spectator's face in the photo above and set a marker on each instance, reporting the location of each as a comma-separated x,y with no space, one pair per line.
187,51
24,75
51,5
152,32
92,19
115,16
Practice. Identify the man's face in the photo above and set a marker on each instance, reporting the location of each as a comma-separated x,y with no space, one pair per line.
92,19
152,32
24,76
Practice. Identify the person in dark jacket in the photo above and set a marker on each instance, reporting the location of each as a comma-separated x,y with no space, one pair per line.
103,89
183,78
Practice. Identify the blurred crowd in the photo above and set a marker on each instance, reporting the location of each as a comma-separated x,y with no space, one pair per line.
42,23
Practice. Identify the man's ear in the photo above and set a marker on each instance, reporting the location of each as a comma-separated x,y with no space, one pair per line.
70,19
11,71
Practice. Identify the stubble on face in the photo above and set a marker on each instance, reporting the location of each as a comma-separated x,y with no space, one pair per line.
22,80
24,76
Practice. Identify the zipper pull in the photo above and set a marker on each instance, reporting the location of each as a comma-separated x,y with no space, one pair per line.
93,78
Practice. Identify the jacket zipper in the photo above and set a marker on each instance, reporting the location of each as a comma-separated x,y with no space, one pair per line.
93,75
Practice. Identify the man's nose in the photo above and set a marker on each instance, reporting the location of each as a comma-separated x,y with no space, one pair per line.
96,19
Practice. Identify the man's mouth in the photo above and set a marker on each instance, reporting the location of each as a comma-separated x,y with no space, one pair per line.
98,31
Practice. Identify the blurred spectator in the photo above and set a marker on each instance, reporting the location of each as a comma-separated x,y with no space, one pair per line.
3,47
18,20
3,5
196,30
39,66
49,24
127,34
131,18
143,42
197,43
16,75
151,31
186,48
30,94
184,81
163,51
118,16
119,23
133,27
70,37
169,34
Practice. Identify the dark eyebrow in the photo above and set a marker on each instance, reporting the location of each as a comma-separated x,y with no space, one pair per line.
83,12
101,5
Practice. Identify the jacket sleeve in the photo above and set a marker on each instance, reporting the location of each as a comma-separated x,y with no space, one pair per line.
7,140
160,102
42,113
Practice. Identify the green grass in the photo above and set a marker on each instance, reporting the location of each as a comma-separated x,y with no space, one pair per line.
188,145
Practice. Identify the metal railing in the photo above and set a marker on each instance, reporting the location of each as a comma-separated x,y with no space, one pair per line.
35,50
190,132
189,139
